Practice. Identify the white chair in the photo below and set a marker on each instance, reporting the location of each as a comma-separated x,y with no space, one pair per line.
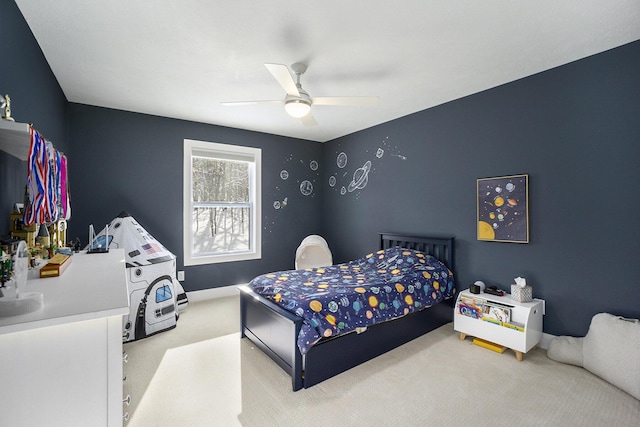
313,252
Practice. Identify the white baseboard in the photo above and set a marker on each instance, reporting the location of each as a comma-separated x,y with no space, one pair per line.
544,342
205,294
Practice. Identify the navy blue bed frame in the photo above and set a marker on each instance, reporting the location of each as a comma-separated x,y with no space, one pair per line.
275,330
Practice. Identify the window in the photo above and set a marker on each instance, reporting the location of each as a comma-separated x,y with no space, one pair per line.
221,202
163,293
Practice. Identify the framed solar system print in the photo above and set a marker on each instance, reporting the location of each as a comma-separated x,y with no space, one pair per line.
503,209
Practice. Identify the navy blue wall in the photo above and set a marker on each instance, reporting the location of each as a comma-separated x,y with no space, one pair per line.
133,162
36,98
574,130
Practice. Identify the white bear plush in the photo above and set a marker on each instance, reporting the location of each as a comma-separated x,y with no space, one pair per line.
611,350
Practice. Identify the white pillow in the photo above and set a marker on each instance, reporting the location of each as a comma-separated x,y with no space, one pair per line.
566,350
611,350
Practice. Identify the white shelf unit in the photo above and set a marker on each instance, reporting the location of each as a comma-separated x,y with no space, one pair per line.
527,314
15,138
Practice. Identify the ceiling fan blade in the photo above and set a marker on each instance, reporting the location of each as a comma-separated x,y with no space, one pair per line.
235,103
283,76
364,101
309,120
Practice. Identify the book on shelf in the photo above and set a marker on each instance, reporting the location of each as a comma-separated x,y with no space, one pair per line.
510,325
514,326
470,306
497,312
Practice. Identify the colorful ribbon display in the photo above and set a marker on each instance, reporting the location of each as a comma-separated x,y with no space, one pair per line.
47,195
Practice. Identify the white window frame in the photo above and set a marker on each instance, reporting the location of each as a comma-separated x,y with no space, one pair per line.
222,151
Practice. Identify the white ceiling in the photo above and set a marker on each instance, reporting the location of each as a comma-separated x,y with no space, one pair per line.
181,58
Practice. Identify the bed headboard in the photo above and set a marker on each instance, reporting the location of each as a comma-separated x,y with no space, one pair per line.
439,247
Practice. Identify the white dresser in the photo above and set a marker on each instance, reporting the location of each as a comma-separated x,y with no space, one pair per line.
62,365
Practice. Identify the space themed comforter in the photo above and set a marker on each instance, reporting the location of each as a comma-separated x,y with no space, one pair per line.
349,297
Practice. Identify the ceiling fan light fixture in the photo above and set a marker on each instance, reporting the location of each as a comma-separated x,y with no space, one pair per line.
297,108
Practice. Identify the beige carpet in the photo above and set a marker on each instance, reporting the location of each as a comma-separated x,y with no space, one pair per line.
435,380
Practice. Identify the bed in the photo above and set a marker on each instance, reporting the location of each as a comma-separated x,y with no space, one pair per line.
268,323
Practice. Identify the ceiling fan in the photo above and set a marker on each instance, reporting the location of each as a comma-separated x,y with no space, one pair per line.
298,102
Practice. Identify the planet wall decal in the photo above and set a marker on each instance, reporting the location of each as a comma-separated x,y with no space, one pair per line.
360,177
